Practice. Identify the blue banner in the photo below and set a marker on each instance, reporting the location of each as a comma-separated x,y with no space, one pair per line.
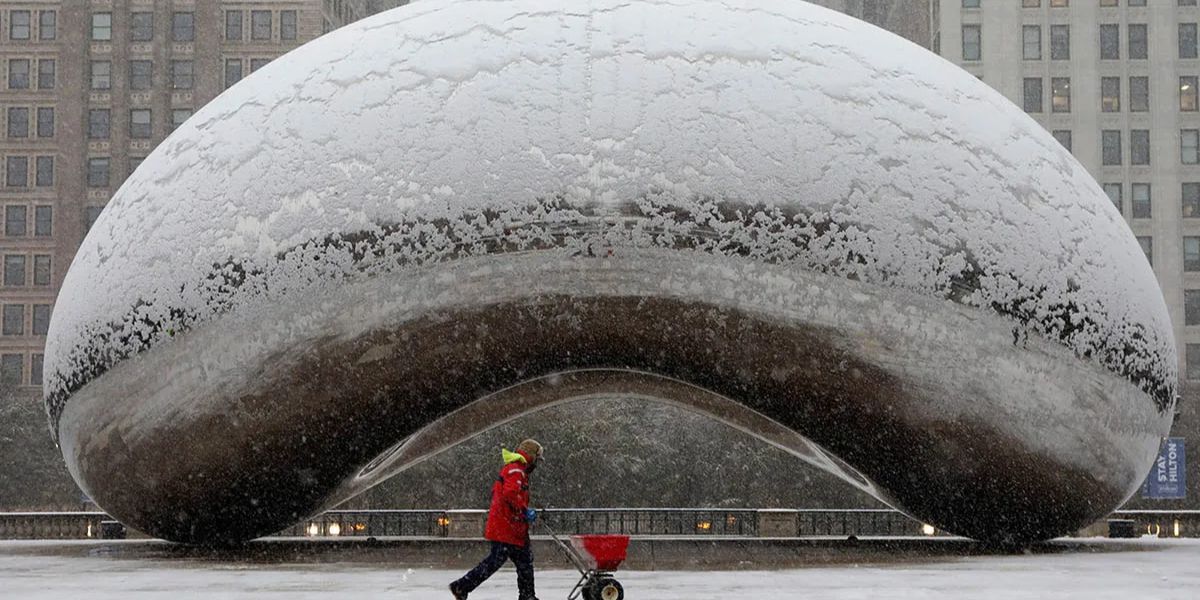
1168,477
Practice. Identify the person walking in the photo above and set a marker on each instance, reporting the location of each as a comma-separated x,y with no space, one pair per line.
508,522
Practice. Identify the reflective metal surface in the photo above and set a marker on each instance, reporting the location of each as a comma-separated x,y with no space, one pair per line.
934,405
331,274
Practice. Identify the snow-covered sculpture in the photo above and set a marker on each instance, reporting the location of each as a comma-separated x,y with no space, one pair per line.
460,211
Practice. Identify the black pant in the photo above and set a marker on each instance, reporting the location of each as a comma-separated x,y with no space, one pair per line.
522,558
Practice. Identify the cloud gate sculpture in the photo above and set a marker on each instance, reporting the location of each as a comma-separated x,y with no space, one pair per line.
458,212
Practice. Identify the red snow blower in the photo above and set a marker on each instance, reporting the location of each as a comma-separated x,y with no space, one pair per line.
596,557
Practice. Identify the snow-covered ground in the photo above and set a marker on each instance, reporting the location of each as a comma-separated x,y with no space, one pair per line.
1158,569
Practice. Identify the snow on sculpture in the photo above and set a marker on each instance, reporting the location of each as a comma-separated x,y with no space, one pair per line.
459,211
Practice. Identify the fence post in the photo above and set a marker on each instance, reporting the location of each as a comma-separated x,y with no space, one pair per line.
778,523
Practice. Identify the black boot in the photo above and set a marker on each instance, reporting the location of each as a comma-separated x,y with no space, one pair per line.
458,594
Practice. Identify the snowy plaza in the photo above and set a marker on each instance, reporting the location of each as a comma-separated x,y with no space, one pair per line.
1099,570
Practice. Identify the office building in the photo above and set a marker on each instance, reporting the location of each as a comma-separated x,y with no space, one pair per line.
89,89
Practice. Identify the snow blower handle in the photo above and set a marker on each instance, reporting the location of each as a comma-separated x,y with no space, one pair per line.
572,554
538,510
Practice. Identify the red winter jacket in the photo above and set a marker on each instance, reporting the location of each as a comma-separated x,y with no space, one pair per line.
510,497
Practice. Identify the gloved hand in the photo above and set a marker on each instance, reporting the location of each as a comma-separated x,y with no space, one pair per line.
531,516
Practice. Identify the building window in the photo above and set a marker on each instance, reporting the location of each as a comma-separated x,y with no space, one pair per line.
1113,190
1139,149
258,63
233,71
1191,199
102,27
45,122
1193,361
141,74
44,177
1191,253
14,220
14,270
233,25
1140,195
141,27
1188,39
47,25
41,269
182,77
14,316
260,25
18,73
1033,95
1032,42
43,221
1191,308
20,25
1189,100
970,3
46,73
1189,143
287,25
11,369
183,27
91,215
972,42
1110,94
1064,137
1147,244
1110,3
18,171
18,122
178,116
1060,42
1111,147
1110,42
35,369
135,162
41,319
1031,3
99,123
101,75
98,172
140,126
1137,41
1139,94
1060,3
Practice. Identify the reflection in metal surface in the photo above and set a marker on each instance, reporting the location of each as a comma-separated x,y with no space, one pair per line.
837,256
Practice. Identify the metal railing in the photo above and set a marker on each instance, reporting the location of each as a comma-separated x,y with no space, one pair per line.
51,525
861,523
1162,523
673,522
372,523
655,521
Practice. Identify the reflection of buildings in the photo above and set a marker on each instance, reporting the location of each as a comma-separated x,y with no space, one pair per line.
1117,85
1116,81
89,90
